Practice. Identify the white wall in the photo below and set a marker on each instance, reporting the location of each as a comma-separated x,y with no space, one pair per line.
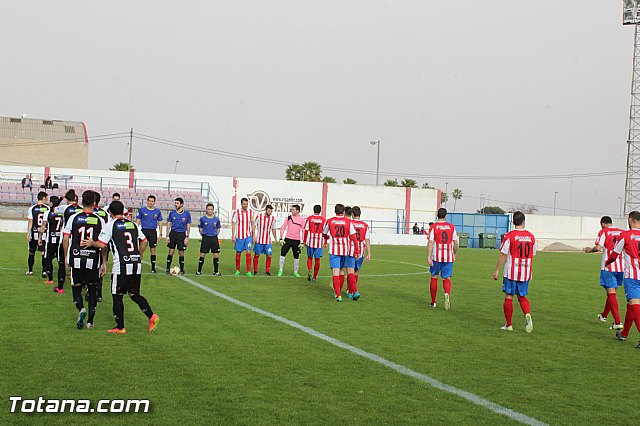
574,231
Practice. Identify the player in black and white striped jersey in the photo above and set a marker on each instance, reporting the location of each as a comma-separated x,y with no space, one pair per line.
127,242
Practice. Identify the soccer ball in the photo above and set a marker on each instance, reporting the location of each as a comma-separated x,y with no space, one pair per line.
175,270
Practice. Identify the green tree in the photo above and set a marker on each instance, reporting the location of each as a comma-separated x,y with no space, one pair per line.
409,183
294,172
444,197
391,182
492,210
121,167
427,186
328,179
350,181
307,171
456,194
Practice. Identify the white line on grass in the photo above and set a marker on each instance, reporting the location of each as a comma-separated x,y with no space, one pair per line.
478,400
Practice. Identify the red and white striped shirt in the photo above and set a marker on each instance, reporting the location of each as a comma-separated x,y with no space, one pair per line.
264,226
362,234
244,221
443,234
629,242
339,229
520,246
607,239
313,228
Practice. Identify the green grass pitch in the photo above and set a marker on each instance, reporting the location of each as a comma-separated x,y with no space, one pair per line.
212,362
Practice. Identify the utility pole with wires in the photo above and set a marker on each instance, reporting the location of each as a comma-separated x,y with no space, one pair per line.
130,149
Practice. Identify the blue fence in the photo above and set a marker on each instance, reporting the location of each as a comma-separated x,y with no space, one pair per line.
474,224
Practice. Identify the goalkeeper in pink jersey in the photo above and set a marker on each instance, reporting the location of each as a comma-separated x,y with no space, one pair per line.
292,230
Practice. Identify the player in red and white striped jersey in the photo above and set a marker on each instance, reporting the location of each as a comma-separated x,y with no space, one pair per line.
339,232
516,255
241,234
264,228
629,246
441,253
360,244
314,240
611,276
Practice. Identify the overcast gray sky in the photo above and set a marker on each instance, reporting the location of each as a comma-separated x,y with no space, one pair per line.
469,87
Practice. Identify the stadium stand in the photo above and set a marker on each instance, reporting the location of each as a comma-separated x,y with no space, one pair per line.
12,193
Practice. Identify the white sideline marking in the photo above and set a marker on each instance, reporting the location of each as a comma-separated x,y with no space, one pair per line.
514,415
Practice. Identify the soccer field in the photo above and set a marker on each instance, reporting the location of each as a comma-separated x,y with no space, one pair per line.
213,361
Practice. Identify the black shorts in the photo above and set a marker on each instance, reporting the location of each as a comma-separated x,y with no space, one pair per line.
209,244
84,276
176,239
152,237
52,250
291,244
33,244
121,284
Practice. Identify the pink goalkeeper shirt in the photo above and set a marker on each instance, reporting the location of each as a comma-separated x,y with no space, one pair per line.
294,227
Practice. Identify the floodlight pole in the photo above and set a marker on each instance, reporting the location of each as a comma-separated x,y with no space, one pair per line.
130,149
378,161
555,195
632,181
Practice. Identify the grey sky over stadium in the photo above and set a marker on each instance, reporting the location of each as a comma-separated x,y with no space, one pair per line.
465,88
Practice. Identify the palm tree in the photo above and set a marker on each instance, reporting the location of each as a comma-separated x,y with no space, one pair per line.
391,182
294,172
312,171
121,167
350,181
444,197
409,183
328,179
456,194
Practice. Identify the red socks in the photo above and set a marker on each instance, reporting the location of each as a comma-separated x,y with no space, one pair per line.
341,281
628,320
508,311
256,260
524,304
636,315
248,262
612,305
268,264
352,286
446,282
337,286
309,263
316,268
238,261
433,287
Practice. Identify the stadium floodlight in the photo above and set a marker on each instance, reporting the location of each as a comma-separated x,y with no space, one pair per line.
631,16
378,161
175,168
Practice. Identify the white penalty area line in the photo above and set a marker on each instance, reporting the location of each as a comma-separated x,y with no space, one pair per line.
475,399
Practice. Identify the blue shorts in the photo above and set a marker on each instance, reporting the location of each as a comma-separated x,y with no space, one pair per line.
242,244
315,253
263,249
444,269
350,262
359,263
610,279
632,288
337,261
519,288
